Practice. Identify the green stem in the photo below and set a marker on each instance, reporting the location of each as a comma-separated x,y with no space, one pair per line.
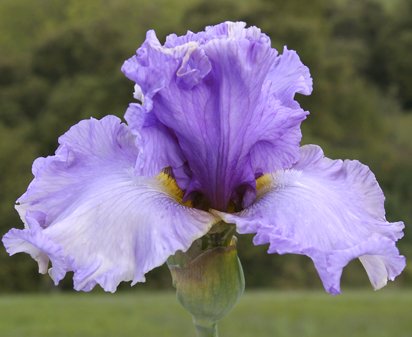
206,330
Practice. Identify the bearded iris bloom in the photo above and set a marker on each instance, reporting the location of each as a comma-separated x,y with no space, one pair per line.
213,137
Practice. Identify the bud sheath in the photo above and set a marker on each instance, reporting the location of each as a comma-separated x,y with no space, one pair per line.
209,285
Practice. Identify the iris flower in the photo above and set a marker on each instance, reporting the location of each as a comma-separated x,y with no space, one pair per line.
214,135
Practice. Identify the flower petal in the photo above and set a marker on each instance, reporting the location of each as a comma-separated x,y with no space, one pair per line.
330,210
289,76
227,99
156,143
88,212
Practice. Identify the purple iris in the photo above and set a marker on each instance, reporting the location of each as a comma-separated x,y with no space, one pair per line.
215,137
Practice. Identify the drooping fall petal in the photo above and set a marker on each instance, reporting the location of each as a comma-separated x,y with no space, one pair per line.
88,212
330,210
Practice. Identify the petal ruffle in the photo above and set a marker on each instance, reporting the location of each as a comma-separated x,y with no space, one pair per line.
330,210
226,98
157,146
88,212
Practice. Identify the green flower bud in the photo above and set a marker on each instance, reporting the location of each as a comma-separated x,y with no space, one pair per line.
208,285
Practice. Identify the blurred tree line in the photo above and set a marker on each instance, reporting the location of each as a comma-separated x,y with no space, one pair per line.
60,63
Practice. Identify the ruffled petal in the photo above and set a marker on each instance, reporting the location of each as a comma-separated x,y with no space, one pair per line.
156,144
226,98
330,210
88,212
289,76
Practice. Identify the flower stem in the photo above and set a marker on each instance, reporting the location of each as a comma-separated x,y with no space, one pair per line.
206,330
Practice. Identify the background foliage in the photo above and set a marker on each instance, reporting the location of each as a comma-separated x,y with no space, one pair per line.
60,62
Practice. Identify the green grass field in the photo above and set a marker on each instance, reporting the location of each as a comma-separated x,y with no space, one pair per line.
387,313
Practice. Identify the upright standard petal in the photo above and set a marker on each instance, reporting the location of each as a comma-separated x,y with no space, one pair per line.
88,212
225,99
330,210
